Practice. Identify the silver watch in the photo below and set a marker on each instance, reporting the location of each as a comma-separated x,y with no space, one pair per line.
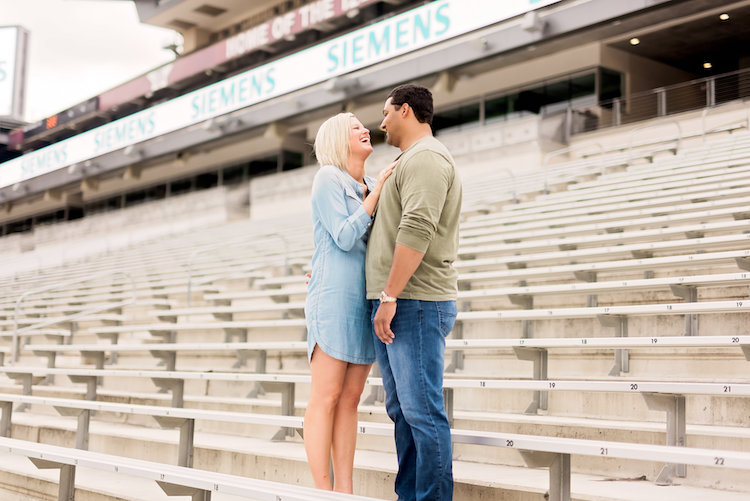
385,298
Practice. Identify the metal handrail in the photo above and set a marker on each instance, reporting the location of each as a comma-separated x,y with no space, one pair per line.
703,120
514,184
568,149
241,241
648,126
563,151
16,331
667,88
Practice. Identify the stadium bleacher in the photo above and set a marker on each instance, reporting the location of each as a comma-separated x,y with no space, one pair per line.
168,381
154,242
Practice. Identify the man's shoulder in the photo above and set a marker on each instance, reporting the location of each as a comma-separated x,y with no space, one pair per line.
430,149
427,157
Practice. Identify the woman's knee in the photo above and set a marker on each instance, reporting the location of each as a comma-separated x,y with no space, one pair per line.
350,398
351,393
327,398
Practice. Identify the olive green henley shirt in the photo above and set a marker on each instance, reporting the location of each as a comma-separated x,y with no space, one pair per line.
419,207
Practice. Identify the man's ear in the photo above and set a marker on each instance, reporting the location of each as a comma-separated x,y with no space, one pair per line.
405,109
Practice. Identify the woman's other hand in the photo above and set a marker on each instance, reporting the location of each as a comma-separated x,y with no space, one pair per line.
371,201
382,176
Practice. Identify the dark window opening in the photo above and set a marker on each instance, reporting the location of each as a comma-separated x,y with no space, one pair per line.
610,84
455,117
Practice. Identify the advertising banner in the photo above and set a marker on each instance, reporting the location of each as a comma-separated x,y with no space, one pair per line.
256,38
392,37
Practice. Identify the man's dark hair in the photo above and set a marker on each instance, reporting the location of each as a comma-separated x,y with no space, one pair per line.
418,97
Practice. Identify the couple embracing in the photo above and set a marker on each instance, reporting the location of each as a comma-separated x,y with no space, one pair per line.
383,288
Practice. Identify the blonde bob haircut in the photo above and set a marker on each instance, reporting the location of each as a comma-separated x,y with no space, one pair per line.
332,141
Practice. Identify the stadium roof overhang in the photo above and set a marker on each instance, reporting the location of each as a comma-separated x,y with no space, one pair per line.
716,33
563,24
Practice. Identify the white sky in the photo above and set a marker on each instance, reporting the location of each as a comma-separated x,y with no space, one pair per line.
79,48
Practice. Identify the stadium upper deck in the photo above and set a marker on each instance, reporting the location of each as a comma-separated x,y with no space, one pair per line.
254,82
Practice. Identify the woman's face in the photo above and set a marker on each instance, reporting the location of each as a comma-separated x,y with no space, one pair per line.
359,139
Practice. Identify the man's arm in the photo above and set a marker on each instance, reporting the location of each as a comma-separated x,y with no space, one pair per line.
405,262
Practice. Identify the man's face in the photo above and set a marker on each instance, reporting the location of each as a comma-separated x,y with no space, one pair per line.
391,123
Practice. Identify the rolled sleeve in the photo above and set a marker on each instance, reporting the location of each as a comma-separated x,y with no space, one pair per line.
424,187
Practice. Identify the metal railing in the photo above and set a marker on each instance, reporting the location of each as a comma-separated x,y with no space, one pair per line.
705,92
706,112
16,348
678,138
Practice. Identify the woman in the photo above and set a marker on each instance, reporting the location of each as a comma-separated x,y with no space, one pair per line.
340,343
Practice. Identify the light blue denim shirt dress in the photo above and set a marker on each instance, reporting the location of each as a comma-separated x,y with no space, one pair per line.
336,309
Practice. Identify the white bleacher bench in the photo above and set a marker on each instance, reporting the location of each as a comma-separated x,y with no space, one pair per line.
167,417
681,167
628,217
71,320
170,381
668,184
498,245
535,349
615,316
588,271
638,250
226,312
667,396
537,451
224,298
601,223
31,323
516,214
517,269
155,289
572,202
167,330
655,203
676,284
555,452
167,352
68,309
733,306
684,286
55,334
174,480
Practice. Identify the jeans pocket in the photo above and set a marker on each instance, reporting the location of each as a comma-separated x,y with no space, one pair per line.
447,312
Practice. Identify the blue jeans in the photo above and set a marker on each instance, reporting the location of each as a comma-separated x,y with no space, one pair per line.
412,371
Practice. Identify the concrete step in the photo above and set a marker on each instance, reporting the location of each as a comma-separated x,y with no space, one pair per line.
374,471
20,480
649,432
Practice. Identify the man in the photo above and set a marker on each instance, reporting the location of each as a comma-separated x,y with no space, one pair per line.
412,283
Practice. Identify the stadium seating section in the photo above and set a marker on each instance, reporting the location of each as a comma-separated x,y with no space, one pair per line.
600,350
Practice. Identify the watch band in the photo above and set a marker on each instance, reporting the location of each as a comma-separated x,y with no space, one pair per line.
385,298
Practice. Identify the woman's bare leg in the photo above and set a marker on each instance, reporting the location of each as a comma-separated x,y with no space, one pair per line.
345,419
328,376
